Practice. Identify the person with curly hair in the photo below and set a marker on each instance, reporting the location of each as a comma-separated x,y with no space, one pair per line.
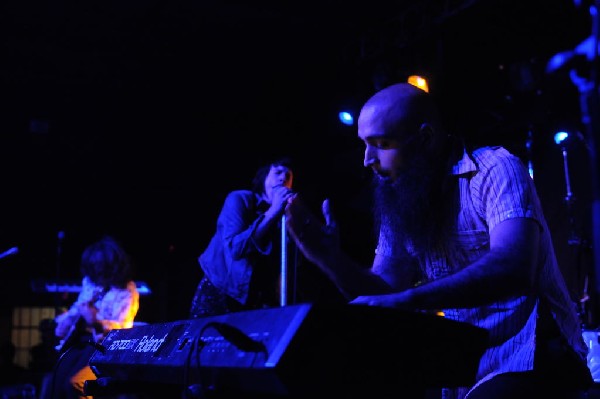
109,299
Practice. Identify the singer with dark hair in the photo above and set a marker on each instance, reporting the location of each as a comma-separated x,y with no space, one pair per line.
460,230
242,261
108,299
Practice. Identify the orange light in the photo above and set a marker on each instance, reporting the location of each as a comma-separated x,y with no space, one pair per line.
419,82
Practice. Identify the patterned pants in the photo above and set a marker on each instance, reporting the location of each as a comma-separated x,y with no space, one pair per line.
209,300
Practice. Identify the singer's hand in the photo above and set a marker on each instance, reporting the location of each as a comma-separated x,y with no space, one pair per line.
328,215
280,198
318,241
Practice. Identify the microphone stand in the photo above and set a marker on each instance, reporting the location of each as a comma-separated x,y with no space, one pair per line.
59,254
590,108
569,199
528,147
283,300
285,272
574,240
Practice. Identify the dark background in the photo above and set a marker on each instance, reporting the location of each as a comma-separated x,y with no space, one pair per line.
135,118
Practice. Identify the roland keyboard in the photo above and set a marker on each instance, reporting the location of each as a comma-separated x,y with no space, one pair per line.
297,350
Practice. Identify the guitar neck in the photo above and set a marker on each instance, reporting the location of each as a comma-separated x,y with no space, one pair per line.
80,326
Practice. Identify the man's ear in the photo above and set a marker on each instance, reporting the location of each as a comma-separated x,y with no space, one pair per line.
430,138
426,131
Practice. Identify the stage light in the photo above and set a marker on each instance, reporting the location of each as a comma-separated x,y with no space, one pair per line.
419,82
561,136
346,118
565,138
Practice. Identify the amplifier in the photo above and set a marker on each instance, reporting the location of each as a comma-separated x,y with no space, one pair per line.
297,350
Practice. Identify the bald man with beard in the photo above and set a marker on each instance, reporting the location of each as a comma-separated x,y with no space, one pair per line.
459,230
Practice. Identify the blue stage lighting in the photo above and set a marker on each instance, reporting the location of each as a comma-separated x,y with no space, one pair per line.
560,137
346,118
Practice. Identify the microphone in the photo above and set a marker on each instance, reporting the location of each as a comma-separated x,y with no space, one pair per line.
9,252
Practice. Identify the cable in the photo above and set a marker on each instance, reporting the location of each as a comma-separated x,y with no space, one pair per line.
96,345
188,391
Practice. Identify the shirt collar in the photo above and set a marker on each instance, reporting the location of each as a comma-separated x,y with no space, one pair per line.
260,201
464,165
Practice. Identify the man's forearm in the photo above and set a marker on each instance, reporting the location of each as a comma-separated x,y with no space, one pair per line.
485,281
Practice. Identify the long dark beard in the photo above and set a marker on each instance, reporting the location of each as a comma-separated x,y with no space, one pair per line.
416,207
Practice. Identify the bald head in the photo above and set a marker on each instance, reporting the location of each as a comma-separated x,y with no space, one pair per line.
398,110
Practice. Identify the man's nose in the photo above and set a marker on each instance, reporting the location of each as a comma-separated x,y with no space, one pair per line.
370,159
